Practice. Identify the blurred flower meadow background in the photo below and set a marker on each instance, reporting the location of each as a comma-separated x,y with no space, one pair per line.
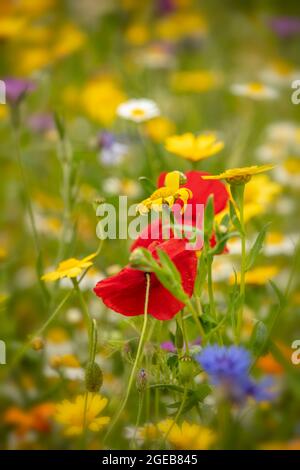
161,101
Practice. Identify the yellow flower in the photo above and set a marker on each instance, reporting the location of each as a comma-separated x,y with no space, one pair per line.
187,436
71,267
167,194
180,25
73,415
258,276
239,175
259,193
100,99
11,27
194,81
69,39
159,128
137,34
194,147
32,59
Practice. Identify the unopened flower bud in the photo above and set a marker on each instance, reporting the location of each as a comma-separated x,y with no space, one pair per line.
37,344
178,337
186,368
93,377
182,178
140,260
141,380
55,362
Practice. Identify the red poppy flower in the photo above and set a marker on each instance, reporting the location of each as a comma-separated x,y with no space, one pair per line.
125,292
201,190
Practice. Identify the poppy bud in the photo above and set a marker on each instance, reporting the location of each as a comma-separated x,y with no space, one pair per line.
93,377
186,368
141,380
141,259
178,337
37,344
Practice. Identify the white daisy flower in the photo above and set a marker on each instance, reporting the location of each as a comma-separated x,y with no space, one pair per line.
255,90
138,110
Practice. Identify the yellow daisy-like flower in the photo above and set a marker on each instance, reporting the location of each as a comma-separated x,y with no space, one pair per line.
71,267
193,147
239,175
84,410
166,195
187,436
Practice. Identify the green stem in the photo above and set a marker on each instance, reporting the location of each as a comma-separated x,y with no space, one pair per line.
184,332
243,267
138,418
39,261
178,414
137,359
196,319
85,311
41,330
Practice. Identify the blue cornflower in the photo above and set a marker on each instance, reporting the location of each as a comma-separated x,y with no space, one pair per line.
228,367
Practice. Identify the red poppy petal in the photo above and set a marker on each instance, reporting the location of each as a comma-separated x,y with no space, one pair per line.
125,292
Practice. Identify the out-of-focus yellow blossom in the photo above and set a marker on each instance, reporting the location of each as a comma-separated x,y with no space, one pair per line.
70,268
137,34
259,193
255,90
83,411
66,360
292,165
57,335
195,81
279,72
180,25
100,99
194,148
31,59
240,175
148,432
11,27
187,436
166,195
3,111
37,35
34,8
3,252
69,39
3,298
158,129
257,276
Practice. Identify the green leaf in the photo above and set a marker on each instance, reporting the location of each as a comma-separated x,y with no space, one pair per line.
234,217
167,264
147,184
259,339
209,214
256,248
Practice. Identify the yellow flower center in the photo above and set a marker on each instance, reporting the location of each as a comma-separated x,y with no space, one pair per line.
138,112
256,87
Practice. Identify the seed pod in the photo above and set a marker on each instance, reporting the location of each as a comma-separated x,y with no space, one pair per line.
141,380
178,337
37,344
186,368
93,377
